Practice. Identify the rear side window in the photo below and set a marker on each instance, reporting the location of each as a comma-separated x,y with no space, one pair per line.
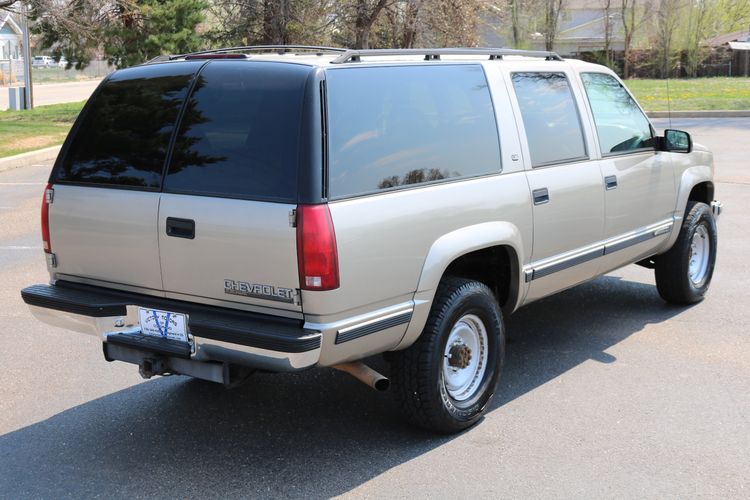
550,118
240,134
123,138
620,124
397,126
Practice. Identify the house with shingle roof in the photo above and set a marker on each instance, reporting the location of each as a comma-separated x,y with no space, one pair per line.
738,45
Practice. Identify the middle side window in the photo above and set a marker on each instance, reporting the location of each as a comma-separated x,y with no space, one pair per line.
550,117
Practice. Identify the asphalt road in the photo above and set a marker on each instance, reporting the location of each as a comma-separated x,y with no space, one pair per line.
609,393
55,93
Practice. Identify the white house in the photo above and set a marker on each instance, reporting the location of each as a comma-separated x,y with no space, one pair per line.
11,53
10,38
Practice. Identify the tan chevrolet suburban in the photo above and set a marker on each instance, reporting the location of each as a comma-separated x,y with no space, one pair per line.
283,208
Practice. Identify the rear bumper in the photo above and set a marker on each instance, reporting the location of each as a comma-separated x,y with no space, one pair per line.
215,333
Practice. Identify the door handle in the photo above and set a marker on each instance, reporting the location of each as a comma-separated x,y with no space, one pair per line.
610,182
541,196
181,228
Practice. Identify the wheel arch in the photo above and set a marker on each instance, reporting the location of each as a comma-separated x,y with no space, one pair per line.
695,184
465,253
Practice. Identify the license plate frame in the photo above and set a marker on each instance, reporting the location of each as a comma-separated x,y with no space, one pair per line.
168,325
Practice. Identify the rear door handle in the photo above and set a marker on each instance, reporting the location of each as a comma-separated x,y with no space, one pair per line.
541,196
181,228
610,182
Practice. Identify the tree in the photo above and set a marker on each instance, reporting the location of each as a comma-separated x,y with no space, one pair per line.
161,27
126,31
697,31
552,10
367,12
274,22
633,17
667,19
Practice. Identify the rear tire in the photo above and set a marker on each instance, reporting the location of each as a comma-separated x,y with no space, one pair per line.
445,381
683,274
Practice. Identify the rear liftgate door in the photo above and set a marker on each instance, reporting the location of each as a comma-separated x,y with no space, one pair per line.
225,232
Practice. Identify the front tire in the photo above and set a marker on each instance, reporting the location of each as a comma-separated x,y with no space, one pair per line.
683,274
445,381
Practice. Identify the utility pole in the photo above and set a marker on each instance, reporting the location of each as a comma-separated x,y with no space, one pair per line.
29,93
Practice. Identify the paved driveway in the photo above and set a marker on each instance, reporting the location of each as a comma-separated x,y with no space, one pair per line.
609,393
54,93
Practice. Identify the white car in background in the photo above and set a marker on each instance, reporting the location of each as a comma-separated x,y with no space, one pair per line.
43,62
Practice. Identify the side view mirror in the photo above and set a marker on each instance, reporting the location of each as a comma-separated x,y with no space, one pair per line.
676,141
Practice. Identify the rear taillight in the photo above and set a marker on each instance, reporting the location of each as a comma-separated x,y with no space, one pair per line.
49,195
317,257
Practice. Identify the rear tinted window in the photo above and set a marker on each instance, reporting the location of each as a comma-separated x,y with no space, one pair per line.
124,136
240,134
550,118
397,126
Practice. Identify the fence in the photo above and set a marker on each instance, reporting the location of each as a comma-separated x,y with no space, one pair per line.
645,63
14,75
11,71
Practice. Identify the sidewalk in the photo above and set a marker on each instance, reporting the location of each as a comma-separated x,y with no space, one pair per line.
55,93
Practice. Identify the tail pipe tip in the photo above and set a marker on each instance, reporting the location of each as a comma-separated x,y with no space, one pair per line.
365,374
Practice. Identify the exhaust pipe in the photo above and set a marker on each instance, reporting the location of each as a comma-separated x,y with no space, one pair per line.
365,374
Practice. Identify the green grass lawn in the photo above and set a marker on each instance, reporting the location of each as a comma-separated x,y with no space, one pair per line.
45,126
697,94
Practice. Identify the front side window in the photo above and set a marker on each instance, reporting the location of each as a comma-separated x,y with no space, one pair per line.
396,126
550,117
620,124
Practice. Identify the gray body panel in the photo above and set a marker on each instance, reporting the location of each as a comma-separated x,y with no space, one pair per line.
243,241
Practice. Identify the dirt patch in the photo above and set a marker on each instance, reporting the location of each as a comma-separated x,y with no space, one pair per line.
35,142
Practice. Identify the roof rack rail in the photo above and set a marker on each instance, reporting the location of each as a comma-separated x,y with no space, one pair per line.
279,49
434,54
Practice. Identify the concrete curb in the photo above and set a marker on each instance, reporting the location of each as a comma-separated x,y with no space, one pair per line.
699,114
30,158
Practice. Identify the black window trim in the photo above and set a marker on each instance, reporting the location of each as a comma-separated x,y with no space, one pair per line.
375,192
566,161
596,130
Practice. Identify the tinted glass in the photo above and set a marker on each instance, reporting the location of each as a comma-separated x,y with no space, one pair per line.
124,136
550,117
620,124
396,126
240,133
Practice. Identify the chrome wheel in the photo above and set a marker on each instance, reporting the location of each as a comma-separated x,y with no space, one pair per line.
700,252
465,358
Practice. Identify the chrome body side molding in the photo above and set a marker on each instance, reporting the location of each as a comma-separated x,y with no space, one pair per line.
546,267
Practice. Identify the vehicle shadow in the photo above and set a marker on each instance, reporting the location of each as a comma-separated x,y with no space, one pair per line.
313,434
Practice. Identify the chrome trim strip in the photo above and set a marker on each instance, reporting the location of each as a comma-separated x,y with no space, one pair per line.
651,232
541,272
555,264
633,240
373,326
359,320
